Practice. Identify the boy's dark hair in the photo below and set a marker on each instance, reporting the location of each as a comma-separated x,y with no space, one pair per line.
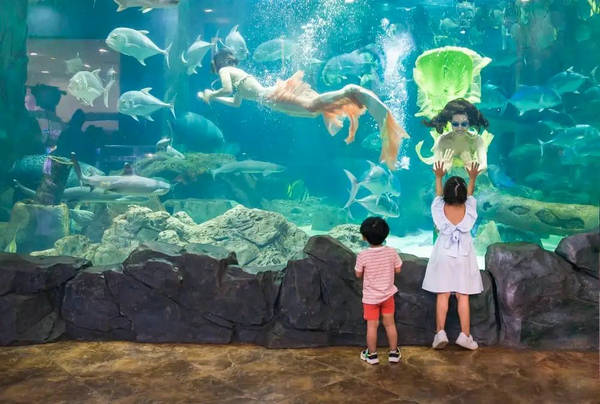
375,230
455,191
222,58
458,106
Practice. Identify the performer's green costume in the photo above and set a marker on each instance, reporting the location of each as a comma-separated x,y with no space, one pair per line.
442,75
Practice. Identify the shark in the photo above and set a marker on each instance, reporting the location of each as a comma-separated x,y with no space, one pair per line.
85,193
131,184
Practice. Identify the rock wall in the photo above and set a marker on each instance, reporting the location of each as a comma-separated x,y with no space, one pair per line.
532,298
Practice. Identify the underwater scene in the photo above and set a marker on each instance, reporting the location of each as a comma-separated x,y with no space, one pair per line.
252,125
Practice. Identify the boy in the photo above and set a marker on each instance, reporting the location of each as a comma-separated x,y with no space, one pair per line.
377,266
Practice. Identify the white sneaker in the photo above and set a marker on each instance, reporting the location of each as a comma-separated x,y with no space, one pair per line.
466,342
440,340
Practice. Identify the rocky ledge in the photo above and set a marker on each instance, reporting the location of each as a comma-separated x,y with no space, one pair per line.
164,293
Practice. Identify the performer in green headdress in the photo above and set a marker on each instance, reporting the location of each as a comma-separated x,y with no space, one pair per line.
449,83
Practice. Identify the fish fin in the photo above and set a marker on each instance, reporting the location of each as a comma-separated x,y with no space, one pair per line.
145,10
106,90
96,72
234,29
542,143
570,69
149,118
166,53
172,109
120,8
144,31
142,62
183,58
353,189
146,90
371,164
134,117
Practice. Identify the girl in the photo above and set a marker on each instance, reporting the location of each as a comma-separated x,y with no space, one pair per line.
296,98
452,267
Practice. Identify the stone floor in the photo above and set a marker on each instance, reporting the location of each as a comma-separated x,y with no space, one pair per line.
123,372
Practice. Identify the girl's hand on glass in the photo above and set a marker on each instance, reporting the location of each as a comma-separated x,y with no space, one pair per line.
438,169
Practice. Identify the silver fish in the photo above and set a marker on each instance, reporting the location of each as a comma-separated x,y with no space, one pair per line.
192,58
237,44
377,179
87,86
141,103
135,43
382,205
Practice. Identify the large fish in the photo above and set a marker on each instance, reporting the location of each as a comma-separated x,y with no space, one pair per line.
74,64
528,98
377,179
274,50
197,133
263,168
87,86
135,43
578,139
28,170
236,43
492,98
123,184
349,66
567,81
383,205
141,103
192,58
145,5
85,193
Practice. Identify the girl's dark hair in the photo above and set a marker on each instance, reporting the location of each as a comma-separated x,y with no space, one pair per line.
455,191
457,106
222,58
375,230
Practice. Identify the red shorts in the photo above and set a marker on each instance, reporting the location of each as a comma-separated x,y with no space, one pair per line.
371,311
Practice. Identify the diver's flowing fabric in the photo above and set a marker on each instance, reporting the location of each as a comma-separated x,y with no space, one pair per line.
391,138
295,91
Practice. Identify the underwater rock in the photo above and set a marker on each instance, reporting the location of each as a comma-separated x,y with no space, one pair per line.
37,227
543,218
349,235
200,210
543,302
258,237
583,251
175,169
328,217
31,291
487,234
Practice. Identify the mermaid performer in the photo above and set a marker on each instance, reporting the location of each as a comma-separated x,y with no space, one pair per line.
296,98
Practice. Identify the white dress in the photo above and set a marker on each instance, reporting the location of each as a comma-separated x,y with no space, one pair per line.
453,263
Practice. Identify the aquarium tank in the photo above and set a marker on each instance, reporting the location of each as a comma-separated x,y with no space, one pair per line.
252,125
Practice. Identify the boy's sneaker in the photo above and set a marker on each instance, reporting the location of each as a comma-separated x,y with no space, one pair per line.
440,340
370,358
395,356
466,342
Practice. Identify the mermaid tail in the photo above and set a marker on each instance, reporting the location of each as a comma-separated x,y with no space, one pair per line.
445,74
295,91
